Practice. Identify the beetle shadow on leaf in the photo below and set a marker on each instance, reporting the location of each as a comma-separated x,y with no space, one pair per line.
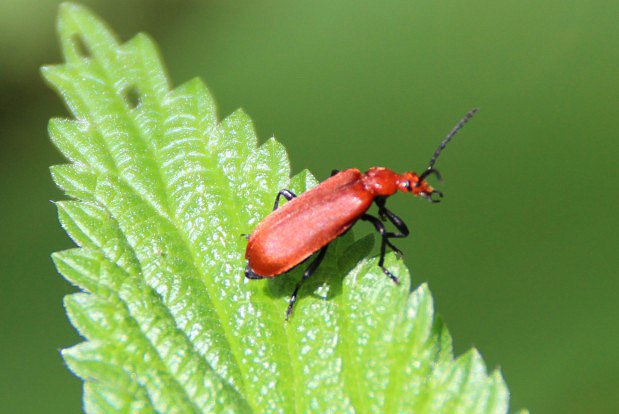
342,256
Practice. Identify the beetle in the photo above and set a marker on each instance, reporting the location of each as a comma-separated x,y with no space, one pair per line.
306,224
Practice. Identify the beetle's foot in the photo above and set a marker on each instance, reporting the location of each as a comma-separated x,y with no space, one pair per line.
290,307
431,198
435,199
398,252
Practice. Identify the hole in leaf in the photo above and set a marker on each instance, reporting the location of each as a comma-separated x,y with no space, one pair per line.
80,46
132,97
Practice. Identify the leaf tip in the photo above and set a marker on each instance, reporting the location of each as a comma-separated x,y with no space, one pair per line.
44,70
56,258
69,12
81,32
240,116
71,303
424,289
51,74
66,8
473,355
497,376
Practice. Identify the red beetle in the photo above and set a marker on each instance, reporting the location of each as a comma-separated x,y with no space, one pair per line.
309,222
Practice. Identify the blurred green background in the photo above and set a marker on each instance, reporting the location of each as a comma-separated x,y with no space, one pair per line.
520,256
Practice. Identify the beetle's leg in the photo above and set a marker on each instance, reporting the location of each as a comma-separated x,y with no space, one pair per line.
396,221
250,273
380,202
286,193
308,272
386,214
380,227
333,172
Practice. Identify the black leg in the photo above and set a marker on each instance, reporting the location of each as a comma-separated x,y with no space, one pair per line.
386,214
308,272
286,193
398,223
378,225
333,172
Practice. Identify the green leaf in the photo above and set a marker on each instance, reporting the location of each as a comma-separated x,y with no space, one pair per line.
162,190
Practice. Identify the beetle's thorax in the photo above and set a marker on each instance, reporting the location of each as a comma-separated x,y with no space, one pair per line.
383,182
380,181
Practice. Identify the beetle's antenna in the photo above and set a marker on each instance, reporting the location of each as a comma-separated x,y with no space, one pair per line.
448,138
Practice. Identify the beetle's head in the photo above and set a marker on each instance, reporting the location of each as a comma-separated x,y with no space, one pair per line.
411,182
